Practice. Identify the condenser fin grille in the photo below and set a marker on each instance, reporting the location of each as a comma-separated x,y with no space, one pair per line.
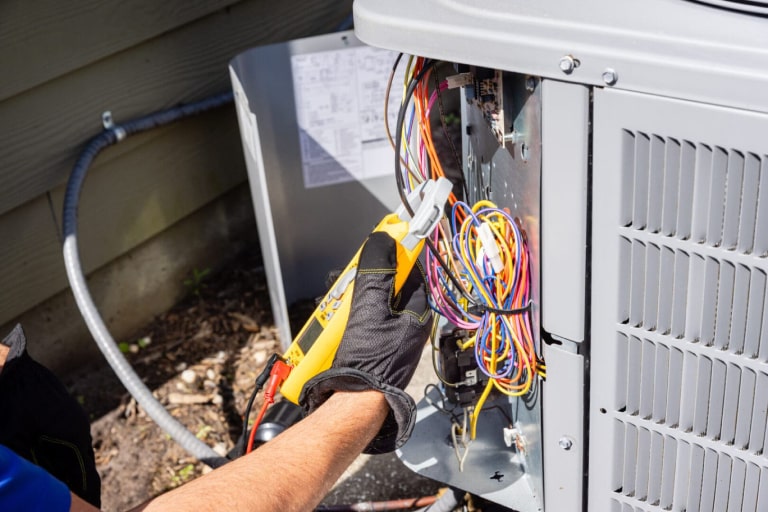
692,328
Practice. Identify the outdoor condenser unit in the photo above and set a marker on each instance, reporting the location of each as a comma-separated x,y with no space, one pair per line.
634,146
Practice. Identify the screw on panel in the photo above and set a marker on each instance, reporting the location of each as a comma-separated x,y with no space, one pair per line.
610,76
565,443
106,119
514,136
567,64
530,84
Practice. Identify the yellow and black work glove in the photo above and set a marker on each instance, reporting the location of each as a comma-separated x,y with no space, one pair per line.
382,343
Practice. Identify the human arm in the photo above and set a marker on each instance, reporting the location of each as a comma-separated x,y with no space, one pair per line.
357,404
292,472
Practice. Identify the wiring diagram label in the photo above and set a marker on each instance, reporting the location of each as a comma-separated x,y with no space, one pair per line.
339,98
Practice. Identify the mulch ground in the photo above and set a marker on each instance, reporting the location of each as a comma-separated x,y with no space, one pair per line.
201,359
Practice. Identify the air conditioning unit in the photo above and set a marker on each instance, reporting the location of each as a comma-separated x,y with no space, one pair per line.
633,145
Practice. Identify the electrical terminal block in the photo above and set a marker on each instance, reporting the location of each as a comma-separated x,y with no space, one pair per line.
460,367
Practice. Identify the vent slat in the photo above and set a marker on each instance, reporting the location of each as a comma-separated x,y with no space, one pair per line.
735,487
733,183
618,456
759,415
655,468
675,387
627,184
703,386
701,193
761,222
682,475
709,302
744,413
762,352
680,294
643,463
671,187
693,501
765,440
716,197
622,361
708,481
668,473
666,290
625,274
651,305
724,305
661,388
741,290
688,396
755,314
730,406
695,297
716,397
638,280
751,489
647,380
640,199
630,459
655,184
634,369
762,493
723,484
749,204
687,180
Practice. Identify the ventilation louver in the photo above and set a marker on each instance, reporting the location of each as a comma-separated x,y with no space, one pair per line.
692,404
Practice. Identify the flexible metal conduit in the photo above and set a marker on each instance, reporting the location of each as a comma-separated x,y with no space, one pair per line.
109,136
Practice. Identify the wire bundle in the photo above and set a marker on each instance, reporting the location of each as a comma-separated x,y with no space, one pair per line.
477,265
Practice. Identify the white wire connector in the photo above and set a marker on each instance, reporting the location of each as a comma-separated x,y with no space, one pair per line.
490,247
460,80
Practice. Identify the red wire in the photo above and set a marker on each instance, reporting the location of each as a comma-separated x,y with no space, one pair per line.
256,424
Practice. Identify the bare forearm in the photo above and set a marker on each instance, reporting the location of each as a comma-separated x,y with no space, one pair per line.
295,470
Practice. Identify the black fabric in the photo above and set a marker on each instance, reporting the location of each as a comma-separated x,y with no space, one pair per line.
41,422
382,342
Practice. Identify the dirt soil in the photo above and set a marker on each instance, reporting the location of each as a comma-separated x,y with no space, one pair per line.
201,359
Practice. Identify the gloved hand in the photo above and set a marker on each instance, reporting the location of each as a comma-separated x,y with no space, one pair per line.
382,343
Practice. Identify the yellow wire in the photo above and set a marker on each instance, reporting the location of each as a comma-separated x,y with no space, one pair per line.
478,408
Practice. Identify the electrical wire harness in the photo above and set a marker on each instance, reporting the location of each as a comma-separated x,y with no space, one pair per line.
477,263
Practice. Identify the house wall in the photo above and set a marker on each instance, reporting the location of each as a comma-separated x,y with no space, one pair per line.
63,64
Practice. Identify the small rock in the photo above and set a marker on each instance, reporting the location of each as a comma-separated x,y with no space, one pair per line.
217,399
260,357
210,374
189,377
209,384
181,367
185,399
220,448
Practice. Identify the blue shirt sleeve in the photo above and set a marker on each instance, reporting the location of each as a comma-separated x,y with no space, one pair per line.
27,487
